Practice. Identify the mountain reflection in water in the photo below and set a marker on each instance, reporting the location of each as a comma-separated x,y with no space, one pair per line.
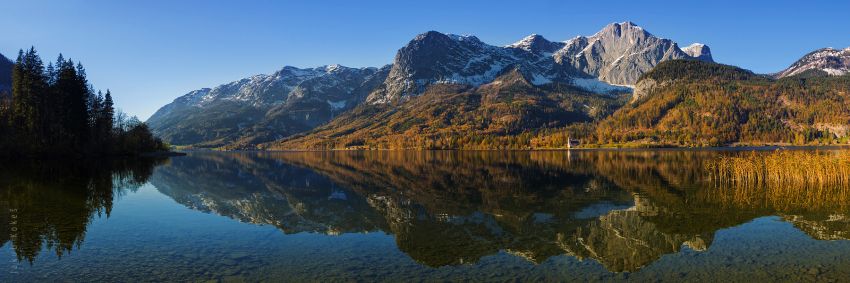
622,209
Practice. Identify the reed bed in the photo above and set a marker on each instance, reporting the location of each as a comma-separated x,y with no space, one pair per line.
783,179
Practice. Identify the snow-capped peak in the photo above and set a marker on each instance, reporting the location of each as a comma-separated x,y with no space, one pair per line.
464,37
571,40
535,43
698,51
828,60
332,68
619,28
525,41
631,24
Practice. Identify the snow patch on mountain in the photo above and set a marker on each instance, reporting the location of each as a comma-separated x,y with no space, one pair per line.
835,72
597,86
473,80
524,43
337,105
262,107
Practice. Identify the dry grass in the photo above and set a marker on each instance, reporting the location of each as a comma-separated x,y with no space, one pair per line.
783,179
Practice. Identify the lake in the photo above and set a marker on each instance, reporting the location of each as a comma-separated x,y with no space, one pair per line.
639,215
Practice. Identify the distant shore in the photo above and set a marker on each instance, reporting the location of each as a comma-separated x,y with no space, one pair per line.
737,147
163,154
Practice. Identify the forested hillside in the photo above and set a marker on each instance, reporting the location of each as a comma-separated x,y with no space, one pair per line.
678,103
692,103
505,113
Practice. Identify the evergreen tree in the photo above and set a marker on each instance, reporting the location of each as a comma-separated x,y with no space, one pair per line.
108,110
51,74
95,108
55,111
29,88
72,90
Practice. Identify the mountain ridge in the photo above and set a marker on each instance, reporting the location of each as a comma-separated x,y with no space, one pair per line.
616,55
228,112
828,60
262,108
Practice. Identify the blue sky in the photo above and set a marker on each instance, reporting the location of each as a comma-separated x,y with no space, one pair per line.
150,52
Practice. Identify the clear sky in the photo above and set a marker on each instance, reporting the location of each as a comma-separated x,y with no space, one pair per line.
150,52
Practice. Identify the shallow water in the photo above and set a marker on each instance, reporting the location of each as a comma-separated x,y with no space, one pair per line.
408,216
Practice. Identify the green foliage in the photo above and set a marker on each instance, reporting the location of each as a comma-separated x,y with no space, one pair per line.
54,110
698,70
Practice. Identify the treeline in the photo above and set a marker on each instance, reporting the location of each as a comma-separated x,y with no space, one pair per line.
544,138
54,110
695,70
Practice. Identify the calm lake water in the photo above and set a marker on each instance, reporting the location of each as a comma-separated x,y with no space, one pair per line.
409,216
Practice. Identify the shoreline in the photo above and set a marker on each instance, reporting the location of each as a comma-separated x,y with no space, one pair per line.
59,156
716,148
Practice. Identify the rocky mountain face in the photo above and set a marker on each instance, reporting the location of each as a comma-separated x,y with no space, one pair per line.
264,106
617,55
699,51
5,75
621,52
436,58
827,61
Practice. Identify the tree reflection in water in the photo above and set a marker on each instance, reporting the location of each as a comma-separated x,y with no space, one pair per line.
49,204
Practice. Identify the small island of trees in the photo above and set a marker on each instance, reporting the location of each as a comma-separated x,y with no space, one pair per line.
54,110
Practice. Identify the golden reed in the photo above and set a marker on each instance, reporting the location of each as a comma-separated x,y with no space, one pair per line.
782,179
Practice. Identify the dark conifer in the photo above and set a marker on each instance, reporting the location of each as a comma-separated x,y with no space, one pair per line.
55,111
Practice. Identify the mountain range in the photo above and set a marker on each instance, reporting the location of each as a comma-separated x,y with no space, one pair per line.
265,107
262,108
689,102
455,91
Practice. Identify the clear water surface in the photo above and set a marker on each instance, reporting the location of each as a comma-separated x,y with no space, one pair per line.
409,216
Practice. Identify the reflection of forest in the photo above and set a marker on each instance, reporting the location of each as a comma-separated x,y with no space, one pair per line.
623,209
49,204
